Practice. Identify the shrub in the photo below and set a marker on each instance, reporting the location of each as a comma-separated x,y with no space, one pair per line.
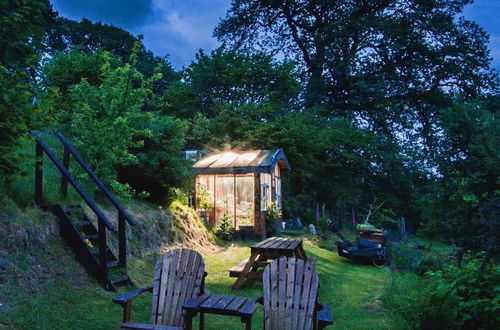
272,218
452,298
365,226
225,229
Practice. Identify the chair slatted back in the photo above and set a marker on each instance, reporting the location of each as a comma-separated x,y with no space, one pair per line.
178,277
290,289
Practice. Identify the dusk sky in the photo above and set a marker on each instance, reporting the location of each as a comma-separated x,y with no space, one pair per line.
180,28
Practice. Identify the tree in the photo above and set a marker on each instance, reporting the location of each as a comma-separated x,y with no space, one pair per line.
90,37
23,25
115,134
388,65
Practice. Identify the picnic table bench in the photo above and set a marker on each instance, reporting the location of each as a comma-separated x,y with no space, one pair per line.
271,248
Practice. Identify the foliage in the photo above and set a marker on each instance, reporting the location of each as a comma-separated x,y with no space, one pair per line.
365,226
452,298
104,129
91,37
360,58
247,219
103,111
203,197
273,217
23,24
225,229
467,207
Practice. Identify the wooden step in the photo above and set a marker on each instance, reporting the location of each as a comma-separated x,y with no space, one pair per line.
72,208
113,264
120,281
85,223
95,252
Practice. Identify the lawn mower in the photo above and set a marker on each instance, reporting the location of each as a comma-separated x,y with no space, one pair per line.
364,251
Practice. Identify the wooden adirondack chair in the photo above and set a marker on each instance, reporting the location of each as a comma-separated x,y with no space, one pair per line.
179,275
290,296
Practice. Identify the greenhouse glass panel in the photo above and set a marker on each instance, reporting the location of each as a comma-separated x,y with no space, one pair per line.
224,194
244,200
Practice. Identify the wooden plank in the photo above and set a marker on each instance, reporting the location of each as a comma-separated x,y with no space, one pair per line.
239,267
195,279
183,297
289,245
224,302
170,285
236,303
248,308
194,303
259,244
176,307
212,300
290,285
249,276
284,242
165,264
311,304
243,276
295,244
309,265
275,244
156,289
267,297
299,274
274,294
137,326
281,291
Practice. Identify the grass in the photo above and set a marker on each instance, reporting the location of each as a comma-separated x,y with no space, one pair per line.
75,301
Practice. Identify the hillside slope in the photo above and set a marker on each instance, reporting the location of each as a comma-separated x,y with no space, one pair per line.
40,276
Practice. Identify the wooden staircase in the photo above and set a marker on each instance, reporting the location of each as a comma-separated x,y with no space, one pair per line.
88,242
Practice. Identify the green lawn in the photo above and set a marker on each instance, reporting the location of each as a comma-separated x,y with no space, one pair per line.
353,292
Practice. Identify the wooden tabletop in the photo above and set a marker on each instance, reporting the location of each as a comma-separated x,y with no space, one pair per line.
221,305
278,243
271,248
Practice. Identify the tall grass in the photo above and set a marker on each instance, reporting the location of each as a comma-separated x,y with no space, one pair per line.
21,186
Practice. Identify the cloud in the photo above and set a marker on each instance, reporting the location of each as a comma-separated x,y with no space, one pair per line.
181,28
178,28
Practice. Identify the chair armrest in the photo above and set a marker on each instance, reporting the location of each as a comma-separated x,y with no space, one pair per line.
129,296
325,316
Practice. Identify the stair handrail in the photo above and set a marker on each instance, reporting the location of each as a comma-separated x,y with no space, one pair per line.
72,181
96,180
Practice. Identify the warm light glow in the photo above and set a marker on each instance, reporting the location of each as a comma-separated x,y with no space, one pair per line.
226,159
248,157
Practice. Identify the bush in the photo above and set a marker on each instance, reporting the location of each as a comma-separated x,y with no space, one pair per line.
272,218
453,298
225,229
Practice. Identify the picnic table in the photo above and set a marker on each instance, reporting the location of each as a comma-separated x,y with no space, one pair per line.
271,248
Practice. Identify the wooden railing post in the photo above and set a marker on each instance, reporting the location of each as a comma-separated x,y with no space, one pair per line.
64,181
122,239
103,255
38,174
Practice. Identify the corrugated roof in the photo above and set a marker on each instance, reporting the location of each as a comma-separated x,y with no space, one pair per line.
247,161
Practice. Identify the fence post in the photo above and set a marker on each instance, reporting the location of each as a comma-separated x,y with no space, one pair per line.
64,181
122,240
38,174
